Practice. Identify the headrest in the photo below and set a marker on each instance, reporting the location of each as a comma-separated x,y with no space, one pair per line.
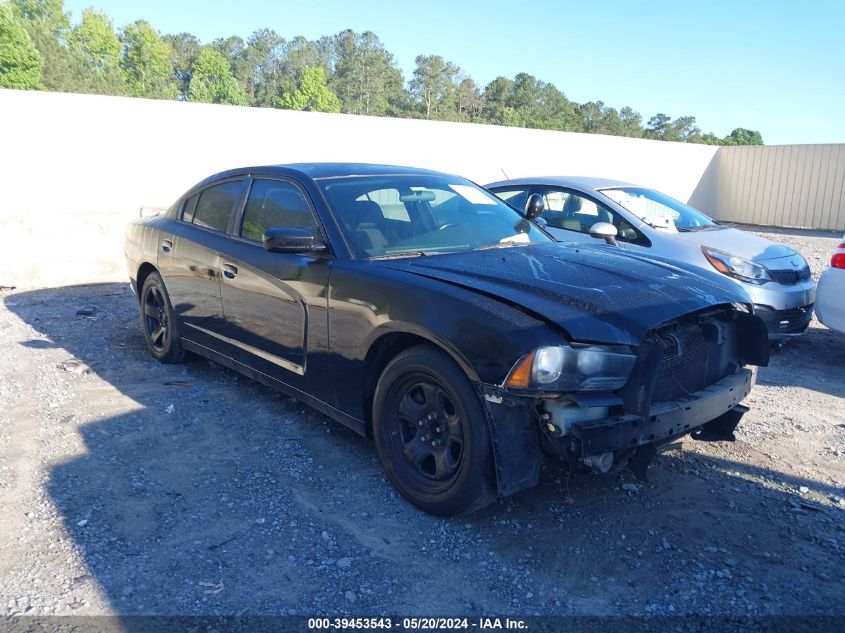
367,212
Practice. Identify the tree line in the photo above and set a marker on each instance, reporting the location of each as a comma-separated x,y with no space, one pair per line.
40,48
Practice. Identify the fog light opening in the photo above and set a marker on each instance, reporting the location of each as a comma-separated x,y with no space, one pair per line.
600,463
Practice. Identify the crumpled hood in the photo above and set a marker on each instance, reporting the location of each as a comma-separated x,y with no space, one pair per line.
596,294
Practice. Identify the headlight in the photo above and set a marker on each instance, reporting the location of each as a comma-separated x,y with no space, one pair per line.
562,368
736,267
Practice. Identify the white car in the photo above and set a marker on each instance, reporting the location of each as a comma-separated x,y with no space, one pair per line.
830,295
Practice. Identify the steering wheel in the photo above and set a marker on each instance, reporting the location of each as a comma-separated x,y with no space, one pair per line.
447,225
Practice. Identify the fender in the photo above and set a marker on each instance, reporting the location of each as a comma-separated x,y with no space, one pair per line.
403,327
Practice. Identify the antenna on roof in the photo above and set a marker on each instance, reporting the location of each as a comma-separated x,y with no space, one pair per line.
504,172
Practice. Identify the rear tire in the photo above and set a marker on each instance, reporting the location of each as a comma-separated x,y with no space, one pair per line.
161,331
431,433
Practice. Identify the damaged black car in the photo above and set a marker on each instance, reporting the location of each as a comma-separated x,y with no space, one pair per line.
418,309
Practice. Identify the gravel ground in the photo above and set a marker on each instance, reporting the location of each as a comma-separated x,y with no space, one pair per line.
131,487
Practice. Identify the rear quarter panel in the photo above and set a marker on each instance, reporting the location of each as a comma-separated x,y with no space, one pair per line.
141,243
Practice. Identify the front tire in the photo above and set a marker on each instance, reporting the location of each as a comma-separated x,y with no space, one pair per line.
431,433
159,322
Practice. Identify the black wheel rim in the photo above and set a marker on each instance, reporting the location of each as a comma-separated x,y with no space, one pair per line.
156,321
425,433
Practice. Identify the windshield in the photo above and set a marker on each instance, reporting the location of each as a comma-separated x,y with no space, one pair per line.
659,210
422,214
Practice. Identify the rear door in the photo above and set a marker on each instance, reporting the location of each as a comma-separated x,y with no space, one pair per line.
189,259
275,303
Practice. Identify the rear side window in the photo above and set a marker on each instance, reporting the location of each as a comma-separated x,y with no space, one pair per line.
216,204
274,203
189,207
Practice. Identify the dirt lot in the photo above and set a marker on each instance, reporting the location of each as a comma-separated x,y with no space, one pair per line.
132,487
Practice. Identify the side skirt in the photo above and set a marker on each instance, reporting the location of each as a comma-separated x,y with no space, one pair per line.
323,407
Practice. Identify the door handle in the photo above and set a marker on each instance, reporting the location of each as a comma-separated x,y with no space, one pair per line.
166,245
229,271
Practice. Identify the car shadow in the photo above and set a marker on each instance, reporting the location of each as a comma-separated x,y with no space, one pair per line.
209,494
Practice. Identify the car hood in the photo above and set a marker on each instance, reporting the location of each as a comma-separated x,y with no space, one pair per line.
596,294
737,242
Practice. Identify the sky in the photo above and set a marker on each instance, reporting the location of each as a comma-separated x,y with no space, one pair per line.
777,66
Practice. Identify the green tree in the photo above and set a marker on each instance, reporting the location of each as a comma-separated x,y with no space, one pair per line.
686,129
147,63
469,99
660,127
709,139
48,14
591,117
743,136
265,52
95,37
65,66
365,76
20,61
184,48
496,98
212,80
95,46
632,122
433,86
311,93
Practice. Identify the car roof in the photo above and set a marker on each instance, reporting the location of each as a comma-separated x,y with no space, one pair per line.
584,182
327,170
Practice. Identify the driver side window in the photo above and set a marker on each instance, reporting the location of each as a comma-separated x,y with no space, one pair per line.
273,203
571,211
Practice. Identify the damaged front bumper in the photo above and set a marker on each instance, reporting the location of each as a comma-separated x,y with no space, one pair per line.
521,438
666,419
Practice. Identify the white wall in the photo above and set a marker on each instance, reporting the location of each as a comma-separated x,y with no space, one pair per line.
75,168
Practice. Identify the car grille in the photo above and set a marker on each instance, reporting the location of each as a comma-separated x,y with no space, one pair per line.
790,277
686,364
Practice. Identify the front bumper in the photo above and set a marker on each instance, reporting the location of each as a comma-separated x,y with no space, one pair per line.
666,419
786,309
784,324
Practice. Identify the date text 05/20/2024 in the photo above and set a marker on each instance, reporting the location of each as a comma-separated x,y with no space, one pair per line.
416,624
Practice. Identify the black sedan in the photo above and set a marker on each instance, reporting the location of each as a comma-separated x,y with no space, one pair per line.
417,308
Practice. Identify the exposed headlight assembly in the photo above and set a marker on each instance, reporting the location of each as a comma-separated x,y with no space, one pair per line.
736,267
562,368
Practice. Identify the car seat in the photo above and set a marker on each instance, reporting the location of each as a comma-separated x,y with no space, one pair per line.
368,227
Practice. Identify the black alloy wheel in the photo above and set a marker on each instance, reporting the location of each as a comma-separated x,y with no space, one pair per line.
431,433
429,444
155,319
160,327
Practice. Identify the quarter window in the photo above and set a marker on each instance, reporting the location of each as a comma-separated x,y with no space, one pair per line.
216,204
189,207
515,198
274,203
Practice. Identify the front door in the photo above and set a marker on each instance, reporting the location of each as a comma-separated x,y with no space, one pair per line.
570,215
275,303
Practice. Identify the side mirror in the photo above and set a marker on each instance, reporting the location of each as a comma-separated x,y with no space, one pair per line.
604,231
534,206
540,221
283,239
